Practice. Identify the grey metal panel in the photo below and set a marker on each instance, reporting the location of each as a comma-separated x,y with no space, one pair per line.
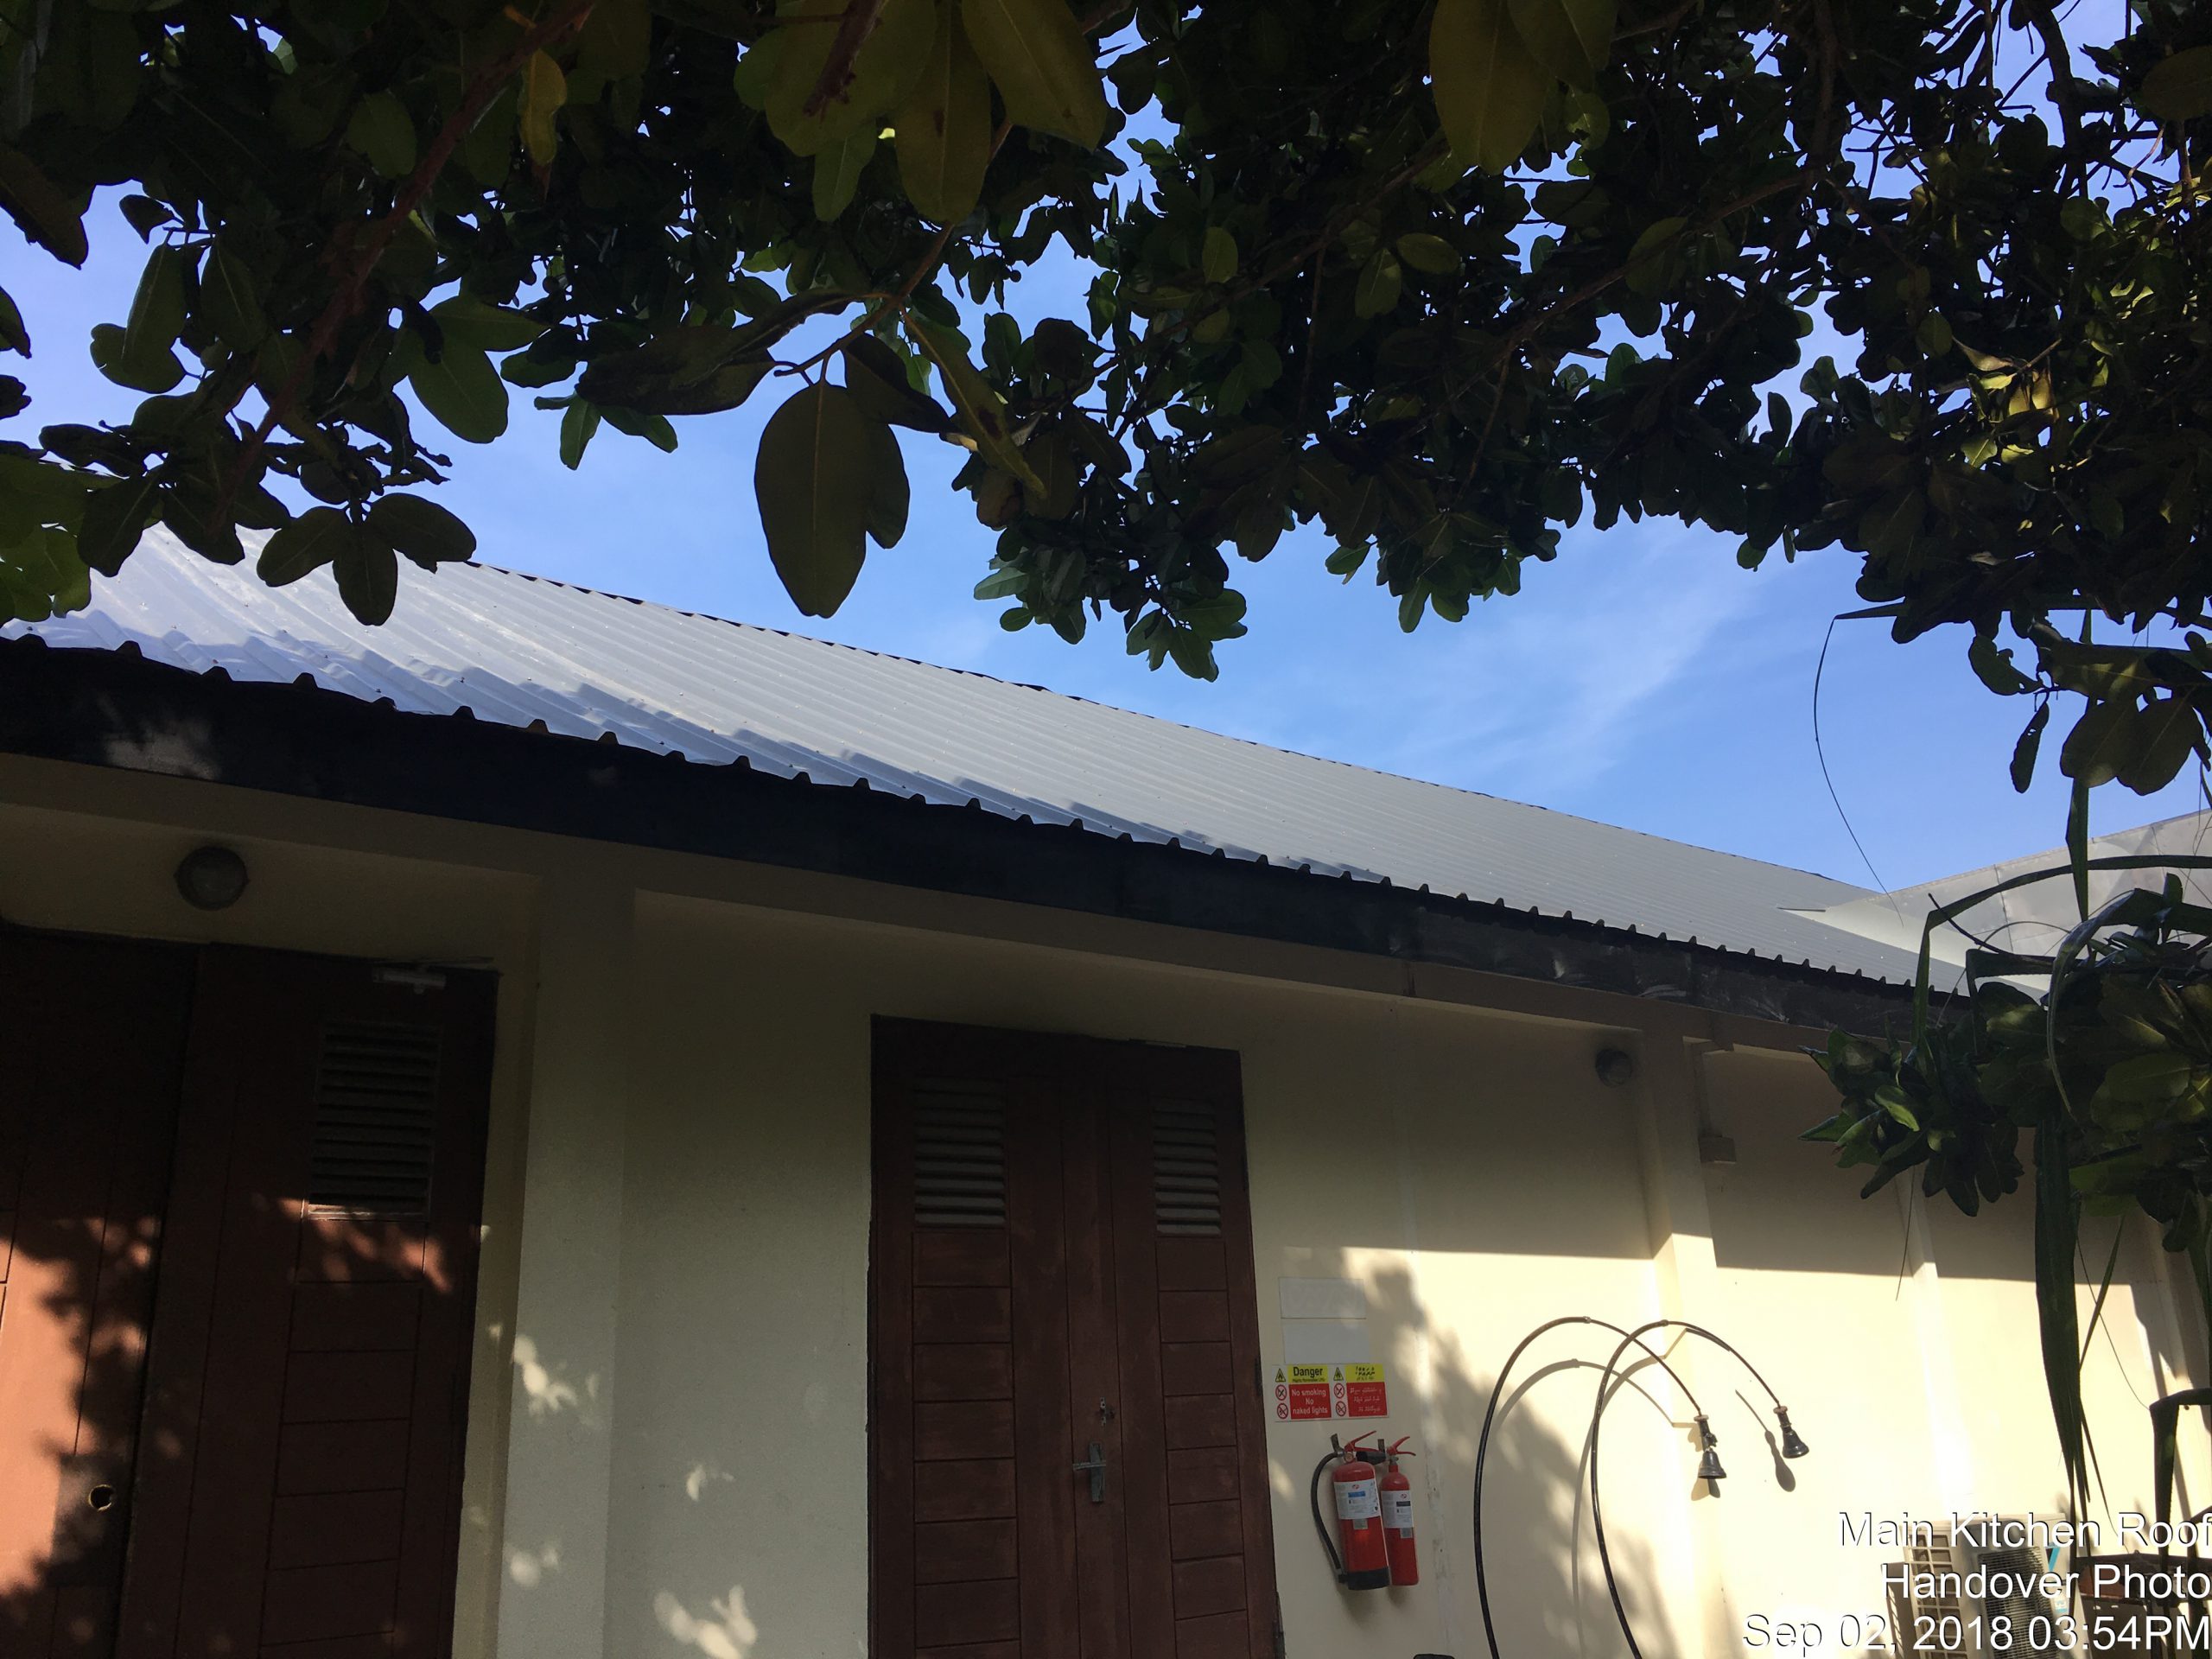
521,650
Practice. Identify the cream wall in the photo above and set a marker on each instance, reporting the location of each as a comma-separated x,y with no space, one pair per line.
674,1460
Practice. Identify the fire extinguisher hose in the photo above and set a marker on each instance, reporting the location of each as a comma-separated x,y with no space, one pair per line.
1334,1455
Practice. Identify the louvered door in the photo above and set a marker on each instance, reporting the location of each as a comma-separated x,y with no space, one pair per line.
1201,1581
311,1338
1061,1277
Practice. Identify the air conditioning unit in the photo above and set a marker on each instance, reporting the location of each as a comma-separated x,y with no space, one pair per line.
1971,1601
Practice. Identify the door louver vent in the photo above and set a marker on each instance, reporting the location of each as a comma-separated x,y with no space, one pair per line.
375,1119
959,1157
1186,1170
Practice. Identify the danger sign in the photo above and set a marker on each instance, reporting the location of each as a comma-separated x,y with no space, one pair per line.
1305,1394
1365,1394
1301,1393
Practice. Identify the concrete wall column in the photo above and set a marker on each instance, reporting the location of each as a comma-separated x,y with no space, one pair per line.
1670,1091
553,1591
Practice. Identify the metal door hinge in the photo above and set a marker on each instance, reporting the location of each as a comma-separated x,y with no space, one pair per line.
1279,1644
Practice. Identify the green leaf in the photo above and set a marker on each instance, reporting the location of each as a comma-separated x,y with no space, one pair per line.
14,337
114,517
368,574
1053,457
157,374
817,481
1893,1100
653,428
758,68
944,128
883,74
1647,265
426,532
1431,254
1571,38
1380,282
2102,744
39,210
2170,735
477,322
306,104
889,498
545,90
692,369
1043,66
877,377
2179,88
1489,92
382,132
157,307
464,392
724,387
91,65
616,40
488,152
2145,1080
2025,751
229,302
1220,260
1992,664
308,543
837,172
578,422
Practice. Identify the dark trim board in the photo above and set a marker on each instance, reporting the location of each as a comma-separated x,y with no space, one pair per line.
115,709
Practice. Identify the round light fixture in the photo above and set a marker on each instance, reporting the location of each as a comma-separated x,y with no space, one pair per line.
211,878
1616,1067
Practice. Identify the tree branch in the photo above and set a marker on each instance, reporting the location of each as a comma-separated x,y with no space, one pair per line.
346,299
853,29
2064,94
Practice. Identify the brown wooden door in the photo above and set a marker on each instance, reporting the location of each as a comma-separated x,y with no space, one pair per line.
311,1340
1061,1274
91,1037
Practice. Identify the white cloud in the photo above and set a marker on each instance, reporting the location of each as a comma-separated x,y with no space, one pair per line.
1535,696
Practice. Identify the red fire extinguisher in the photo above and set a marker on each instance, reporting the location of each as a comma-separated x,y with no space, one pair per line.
1364,1563
1397,1496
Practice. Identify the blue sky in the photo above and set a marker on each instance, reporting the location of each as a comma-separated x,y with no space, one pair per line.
1642,678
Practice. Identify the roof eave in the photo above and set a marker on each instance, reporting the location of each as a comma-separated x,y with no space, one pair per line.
116,710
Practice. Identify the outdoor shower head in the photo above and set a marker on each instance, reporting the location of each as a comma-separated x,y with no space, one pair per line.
1708,1465
1793,1443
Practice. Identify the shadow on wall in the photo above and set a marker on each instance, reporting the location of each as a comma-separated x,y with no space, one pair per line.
1547,1591
97,1468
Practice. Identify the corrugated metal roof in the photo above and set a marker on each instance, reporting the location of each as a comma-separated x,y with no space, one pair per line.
528,651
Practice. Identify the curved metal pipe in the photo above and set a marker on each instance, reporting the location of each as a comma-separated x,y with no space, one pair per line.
1628,1338
1482,1445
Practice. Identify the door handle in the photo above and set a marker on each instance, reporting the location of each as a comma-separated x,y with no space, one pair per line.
1096,1468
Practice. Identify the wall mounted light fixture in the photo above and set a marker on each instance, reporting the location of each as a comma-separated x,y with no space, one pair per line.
211,878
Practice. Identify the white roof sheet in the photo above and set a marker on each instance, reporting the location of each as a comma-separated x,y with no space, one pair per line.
525,651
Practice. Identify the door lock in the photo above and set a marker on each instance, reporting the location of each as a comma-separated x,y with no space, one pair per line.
1096,1468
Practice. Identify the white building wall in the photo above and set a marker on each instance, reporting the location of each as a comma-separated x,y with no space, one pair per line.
667,1445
